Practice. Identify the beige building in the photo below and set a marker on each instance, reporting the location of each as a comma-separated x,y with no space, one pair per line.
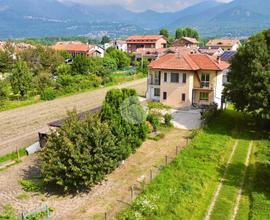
224,44
182,80
147,41
186,42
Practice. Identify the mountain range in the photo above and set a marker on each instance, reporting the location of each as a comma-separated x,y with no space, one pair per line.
35,18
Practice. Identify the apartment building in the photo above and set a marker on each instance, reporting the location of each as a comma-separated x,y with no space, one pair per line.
183,80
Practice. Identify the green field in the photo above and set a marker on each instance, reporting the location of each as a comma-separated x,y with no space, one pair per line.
185,188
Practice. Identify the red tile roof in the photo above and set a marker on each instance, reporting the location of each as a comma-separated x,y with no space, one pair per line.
72,46
223,42
144,39
191,40
177,61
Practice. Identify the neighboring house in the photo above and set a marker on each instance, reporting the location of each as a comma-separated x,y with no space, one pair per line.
212,51
117,44
147,41
225,44
186,42
151,54
184,80
77,48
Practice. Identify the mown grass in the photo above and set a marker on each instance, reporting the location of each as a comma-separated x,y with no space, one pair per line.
227,197
184,189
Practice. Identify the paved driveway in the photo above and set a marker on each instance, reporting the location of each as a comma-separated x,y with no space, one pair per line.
186,119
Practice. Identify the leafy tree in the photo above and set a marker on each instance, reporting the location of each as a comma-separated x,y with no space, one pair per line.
66,55
164,32
79,154
63,69
4,89
7,57
105,39
142,66
21,78
249,78
123,112
42,81
122,59
186,32
80,65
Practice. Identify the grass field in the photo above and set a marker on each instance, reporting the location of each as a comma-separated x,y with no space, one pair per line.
184,189
117,78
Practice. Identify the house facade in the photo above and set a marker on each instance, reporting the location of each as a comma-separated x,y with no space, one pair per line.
147,41
183,80
186,42
224,44
117,44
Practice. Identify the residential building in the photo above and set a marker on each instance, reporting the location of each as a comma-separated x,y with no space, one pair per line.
225,44
151,54
77,48
117,44
211,51
183,80
227,56
186,42
147,41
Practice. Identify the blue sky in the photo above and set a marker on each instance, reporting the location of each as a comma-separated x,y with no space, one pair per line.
141,5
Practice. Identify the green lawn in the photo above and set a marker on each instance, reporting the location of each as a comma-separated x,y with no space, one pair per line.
185,188
225,203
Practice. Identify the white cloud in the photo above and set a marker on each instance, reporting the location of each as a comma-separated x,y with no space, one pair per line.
142,5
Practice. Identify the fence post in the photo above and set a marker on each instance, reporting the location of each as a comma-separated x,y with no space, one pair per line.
132,192
23,217
105,216
47,210
151,175
18,153
166,160
177,150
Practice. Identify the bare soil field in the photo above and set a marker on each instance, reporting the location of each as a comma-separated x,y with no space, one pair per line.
20,127
107,197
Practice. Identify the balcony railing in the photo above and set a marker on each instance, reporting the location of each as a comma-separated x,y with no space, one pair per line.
155,82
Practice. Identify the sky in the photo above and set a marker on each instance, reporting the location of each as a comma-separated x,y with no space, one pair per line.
142,5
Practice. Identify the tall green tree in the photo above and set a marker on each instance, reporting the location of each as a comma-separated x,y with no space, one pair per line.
122,58
105,39
123,112
186,32
164,32
4,89
80,65
249,78
21,78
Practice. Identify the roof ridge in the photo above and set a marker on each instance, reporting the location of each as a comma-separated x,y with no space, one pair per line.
188,61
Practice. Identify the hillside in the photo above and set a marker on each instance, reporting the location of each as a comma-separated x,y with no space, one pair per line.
35,18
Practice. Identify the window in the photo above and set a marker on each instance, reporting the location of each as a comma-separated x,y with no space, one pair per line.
164,95
205,80
157,92
184,80
204,96
183,97
175,77
165,77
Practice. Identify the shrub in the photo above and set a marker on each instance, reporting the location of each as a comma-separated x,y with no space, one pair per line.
167,120
157,105
79,154
48,94
154,120
8,213
4,89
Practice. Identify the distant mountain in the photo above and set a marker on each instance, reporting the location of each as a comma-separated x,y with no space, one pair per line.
240,17
36,18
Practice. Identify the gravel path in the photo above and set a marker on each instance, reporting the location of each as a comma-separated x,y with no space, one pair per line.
102,198
19,127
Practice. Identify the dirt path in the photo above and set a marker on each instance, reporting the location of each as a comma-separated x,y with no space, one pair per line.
19,127
238,199
213,202
103,198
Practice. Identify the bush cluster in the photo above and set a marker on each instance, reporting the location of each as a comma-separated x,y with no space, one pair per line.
80,153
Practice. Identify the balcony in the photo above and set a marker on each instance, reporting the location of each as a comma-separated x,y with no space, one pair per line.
155,82
205,86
